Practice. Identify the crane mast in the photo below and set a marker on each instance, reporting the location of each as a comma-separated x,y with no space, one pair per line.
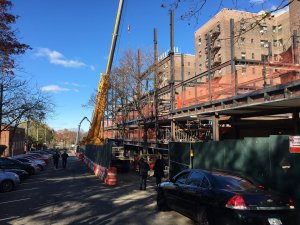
95,136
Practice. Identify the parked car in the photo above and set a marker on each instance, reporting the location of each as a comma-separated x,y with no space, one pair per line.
45,158
6,163
8,181
219,197
39,163
21,173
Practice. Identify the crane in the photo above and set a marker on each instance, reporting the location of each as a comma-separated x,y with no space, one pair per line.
96,131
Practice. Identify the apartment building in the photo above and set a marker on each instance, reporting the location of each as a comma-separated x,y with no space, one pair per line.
255,38
295,19
184,68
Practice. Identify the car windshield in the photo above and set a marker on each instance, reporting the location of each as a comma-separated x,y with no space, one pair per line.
231,182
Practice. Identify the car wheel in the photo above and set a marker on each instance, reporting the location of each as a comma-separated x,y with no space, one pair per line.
202,218
161,201
7,186
229,222
41,167
31,171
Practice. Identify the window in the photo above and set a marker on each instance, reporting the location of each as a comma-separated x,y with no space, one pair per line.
189,63
252,40
264,57
243,55
231,182
242,26
218,28
181,179
242,40
280,42
195,179
264,43
199,41
253,70
274,29
252,56
244,70
219,58
205,183
263,29
279,28
200,68
200,54
275,43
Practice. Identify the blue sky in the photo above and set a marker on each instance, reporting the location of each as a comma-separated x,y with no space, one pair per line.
70,42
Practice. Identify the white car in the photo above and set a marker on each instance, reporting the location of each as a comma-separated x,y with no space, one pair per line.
8,181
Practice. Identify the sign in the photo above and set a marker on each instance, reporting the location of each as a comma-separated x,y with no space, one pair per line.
294,144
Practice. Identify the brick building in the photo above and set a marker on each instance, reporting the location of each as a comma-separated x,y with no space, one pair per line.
255,38
18,141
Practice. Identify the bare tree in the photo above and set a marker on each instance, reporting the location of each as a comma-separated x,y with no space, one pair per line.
131,90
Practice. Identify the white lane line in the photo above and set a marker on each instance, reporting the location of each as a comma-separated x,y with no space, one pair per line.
24,199
28,189
9,218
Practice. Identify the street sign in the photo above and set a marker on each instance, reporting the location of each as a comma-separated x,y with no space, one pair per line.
294,144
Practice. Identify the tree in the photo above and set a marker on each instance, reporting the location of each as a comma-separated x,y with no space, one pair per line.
131,90
19,99
9,45
65,137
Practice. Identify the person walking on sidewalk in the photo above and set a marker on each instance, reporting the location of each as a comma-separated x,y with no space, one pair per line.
56,157
158,170
64,158
144,168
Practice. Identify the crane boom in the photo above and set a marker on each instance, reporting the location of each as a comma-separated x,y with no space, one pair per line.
101,99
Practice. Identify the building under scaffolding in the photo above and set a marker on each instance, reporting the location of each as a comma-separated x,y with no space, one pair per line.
243,81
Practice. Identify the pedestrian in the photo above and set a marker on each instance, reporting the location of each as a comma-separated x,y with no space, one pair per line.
158,170
144,168
64,158
56,157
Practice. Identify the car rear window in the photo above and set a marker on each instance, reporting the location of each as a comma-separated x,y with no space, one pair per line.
229,182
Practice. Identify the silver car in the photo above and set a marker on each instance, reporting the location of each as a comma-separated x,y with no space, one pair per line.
8,181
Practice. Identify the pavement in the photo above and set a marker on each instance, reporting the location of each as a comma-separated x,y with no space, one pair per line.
76,196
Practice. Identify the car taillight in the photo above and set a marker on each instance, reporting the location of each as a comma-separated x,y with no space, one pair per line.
292,205
236,202
261,187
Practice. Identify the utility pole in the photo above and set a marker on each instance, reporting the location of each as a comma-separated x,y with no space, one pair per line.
171,55
156,88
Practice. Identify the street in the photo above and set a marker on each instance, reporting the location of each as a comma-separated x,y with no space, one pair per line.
76,196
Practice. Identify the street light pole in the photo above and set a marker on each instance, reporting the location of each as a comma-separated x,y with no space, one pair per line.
78,131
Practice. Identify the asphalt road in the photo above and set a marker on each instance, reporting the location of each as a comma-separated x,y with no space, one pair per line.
76,196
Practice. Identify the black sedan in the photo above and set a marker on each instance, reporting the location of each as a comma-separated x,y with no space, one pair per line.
224,198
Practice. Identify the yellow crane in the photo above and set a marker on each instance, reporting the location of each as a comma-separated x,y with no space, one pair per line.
96,131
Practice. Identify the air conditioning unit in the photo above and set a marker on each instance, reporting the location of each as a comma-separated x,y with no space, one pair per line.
266,45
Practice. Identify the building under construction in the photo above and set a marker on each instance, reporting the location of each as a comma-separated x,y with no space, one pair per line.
242,81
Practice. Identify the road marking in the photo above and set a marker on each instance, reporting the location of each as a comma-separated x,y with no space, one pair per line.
9,218
28,189
24,199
